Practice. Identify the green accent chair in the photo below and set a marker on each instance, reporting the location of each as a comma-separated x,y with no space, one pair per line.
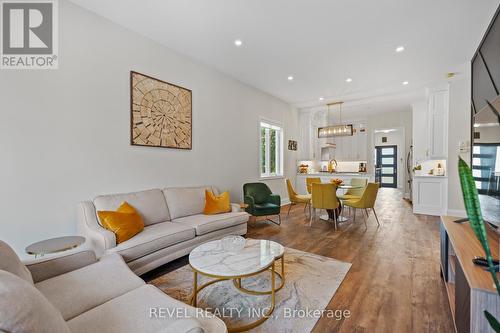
261,201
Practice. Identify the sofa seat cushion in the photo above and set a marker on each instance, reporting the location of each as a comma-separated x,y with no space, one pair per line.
205,224
24,309
153,238
83,289
146,309
150,204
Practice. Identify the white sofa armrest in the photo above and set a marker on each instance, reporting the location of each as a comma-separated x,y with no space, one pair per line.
235,208
98,237
43,269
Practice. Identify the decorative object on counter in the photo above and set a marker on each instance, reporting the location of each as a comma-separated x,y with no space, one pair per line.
362,167
54,245
473,208
431,172
417,169
439,170
332,165
292,145
335,130
161,113
336,181
303,168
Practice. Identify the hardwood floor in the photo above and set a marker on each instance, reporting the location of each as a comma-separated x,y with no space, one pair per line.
394,284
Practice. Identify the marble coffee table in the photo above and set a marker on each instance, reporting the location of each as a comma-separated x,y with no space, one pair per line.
258,256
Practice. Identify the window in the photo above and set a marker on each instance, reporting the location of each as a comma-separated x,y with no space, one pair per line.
271,150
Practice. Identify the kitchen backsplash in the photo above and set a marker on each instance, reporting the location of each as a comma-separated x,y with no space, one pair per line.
316,166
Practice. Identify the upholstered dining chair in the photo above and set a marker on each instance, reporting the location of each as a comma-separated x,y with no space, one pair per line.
355,193
324,196
261,201
296,198
310,181
366,201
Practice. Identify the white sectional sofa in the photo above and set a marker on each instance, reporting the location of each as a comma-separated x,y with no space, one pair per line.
174,225
78,293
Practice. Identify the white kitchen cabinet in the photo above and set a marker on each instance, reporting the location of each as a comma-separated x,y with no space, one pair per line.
438,124
430,195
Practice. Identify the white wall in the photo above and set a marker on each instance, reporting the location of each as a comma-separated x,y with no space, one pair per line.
388,120
458,130
64,134
396,138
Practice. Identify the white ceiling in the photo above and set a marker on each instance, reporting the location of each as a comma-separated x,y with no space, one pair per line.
319,42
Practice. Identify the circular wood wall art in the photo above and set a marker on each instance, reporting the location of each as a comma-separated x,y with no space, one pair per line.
161,113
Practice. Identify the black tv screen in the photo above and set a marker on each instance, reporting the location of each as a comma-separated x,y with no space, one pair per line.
485,124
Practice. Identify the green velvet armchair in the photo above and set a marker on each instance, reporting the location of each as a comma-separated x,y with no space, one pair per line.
261,201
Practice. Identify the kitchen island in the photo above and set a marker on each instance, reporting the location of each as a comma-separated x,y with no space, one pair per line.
326,177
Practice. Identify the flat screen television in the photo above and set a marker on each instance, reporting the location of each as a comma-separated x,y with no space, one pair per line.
485,122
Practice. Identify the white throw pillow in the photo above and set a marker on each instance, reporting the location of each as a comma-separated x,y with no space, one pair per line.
24,309
10,262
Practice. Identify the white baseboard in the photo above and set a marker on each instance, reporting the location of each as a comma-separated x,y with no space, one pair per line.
285,201
457,212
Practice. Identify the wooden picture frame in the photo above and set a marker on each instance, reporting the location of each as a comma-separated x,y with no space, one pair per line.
161,113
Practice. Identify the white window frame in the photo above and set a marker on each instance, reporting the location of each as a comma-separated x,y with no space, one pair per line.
269,124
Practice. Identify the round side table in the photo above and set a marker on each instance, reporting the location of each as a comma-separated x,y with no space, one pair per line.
54,245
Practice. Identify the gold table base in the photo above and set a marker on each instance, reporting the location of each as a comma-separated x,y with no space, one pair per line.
237,284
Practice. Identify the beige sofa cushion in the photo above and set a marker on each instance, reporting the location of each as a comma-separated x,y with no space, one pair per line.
153,238
186,201
150,204
83,289
24,309
131,313
10,262
205,224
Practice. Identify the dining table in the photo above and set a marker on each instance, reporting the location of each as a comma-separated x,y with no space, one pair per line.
331,213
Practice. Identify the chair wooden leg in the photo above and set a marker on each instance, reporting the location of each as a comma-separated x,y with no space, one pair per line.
290,207
335,221
376,217
354,219
366,218
313,213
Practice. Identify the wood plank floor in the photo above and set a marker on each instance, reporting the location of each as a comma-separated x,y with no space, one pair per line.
394,284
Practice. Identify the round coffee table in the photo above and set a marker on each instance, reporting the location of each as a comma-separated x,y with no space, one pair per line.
212,260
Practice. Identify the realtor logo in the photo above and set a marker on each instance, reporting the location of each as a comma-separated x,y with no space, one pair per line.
29,34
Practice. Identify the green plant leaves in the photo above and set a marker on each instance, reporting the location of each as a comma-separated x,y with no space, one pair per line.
492,321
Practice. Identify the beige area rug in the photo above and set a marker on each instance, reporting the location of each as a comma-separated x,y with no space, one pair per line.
311,282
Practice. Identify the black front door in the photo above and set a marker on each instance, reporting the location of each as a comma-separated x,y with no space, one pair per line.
386,166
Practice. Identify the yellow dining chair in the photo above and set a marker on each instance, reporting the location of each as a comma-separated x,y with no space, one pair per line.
366,201
324,196
355,193
296,198
310,181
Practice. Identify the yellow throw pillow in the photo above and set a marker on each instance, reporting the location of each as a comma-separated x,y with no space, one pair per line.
216,204
125,222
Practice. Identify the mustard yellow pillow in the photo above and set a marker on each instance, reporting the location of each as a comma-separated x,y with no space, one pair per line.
125,222
216,204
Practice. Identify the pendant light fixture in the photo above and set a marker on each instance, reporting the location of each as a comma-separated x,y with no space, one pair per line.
335,130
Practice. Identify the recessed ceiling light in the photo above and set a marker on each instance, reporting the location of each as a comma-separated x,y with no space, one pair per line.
290,78
238,42
405,83
400,49
348,80
321,98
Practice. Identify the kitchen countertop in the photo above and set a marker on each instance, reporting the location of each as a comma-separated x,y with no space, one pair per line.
429,176
327,174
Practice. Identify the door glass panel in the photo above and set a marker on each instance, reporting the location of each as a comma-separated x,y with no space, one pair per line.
387,180
387,160
388,170
388,151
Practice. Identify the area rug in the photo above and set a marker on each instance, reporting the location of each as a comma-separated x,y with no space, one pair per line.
311,282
